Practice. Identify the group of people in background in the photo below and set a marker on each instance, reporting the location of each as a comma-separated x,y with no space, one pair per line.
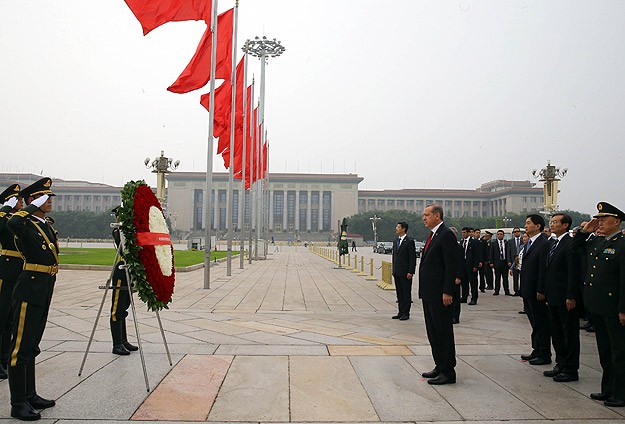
561,273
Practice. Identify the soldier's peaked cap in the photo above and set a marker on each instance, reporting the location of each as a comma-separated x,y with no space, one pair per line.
38,187
606,209
12,191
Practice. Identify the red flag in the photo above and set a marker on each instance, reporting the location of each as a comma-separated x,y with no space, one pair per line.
265,151
223,109
154,13
198,71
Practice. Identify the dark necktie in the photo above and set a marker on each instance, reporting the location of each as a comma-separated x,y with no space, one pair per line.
502,255
528,245
464,247
398,243
552,250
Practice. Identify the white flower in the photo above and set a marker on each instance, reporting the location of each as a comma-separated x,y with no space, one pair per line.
163,252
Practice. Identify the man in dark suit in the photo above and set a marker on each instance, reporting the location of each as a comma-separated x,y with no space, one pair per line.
499,263
486,272
560,288
604,294
514,247
471,263
404,264
437,276
532,274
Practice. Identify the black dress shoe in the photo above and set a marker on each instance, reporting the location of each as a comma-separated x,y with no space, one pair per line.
489,287
600,396
129,347
404,317
614,403
442,379
528,357
120,349
483,291
496,294
522,312
463,300
24,411
565,377
517,294
431,374
540,361
395,316
38,402
591,329
552,373
473,302
508,294
456,321
585,326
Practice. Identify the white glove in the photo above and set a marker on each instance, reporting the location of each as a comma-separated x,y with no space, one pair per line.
11,202
39,201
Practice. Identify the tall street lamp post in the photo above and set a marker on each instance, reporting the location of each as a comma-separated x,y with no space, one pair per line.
161,166
550,175
263,48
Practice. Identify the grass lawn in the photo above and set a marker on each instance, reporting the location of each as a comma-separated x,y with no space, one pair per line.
97,256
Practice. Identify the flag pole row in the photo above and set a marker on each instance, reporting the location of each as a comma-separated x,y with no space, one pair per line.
233,119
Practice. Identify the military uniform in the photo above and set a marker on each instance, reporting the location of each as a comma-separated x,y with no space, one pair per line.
604,296
119,306
32,295
11,263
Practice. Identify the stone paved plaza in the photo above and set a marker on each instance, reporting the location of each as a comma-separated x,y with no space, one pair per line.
291,339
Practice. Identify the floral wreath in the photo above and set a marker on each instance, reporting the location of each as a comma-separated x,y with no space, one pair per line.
148,250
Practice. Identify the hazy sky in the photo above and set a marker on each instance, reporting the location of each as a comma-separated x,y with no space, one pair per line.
407,93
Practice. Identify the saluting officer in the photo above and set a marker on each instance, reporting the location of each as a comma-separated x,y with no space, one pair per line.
605,296
38,243
11,263
119,305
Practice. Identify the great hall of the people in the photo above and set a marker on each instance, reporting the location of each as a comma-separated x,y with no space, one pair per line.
301,203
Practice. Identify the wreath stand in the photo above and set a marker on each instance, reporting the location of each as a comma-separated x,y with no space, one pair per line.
106,288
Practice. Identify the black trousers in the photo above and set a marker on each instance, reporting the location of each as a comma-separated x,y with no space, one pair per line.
403,288
31,303
501,277
120,300
515,280
456,305
486,276
611,346
538,316
470,283
440,331
565,337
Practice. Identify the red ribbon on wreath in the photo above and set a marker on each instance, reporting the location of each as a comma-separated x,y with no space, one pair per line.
153,239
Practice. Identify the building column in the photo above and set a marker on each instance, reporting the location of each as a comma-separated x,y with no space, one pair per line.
270,208
308,213
285,208
296,224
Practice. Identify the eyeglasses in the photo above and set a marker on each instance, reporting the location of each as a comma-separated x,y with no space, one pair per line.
517,231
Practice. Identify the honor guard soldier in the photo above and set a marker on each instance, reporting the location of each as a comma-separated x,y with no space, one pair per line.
11,263
119,305
37,241
605,296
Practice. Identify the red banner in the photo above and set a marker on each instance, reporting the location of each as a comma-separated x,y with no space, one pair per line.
153,239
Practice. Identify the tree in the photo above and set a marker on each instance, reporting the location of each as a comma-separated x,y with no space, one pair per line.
83,224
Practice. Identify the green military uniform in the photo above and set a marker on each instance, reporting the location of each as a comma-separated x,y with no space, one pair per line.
604,296
32,295
11,263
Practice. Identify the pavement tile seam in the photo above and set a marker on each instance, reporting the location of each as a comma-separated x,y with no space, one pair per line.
502,388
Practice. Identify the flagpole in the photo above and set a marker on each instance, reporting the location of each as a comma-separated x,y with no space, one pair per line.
259,193
208,204
232,131
251,114
242,190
